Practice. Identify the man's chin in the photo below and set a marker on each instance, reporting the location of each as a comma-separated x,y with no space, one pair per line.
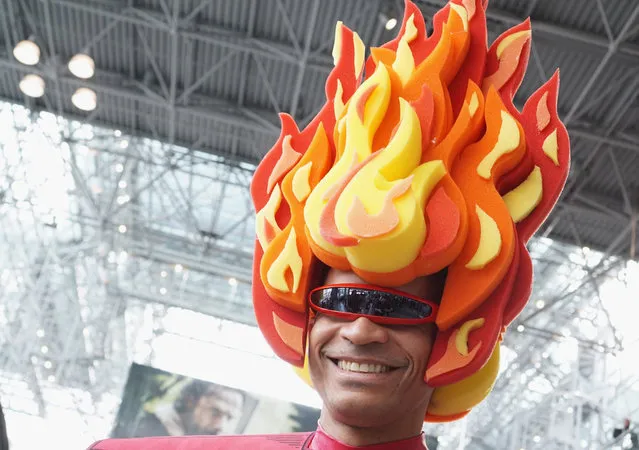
360,410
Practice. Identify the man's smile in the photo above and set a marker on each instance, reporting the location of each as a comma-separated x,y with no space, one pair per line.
351,366
363,368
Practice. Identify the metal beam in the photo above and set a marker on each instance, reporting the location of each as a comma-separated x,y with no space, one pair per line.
214,306
175,40
195,11
604,21
613,48
595,134
52,55
226,113
620,182
98,37
197,83
598,271
246,55
216,35
310,29
289,27
154,65
267,85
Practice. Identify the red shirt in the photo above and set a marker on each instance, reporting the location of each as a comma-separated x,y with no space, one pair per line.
322,441
293,441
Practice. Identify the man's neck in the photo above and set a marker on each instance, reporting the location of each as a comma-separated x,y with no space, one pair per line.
361,436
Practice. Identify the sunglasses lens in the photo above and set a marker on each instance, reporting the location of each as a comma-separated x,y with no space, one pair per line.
370,302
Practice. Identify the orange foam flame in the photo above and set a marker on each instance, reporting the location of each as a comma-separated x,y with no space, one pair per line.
452,359
412,162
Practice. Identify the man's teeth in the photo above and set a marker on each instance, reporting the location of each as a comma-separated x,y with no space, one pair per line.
355,367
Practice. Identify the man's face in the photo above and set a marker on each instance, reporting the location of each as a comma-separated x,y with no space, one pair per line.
217,412
368,399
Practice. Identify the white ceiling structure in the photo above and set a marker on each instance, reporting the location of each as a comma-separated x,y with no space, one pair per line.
122,227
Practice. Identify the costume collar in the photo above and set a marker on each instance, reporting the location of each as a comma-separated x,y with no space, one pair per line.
322,441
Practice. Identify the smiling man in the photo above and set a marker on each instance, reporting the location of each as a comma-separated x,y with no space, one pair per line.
391,230
368,370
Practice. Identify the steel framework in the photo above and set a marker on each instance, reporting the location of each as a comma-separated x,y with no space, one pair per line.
111,220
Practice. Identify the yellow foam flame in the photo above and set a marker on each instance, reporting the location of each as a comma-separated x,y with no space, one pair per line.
507,142
288,259
267,214
301,184
337,44
489,242
461,338
551,148
522,200
404,64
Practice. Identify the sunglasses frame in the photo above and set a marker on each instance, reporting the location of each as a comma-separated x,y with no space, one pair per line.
376,319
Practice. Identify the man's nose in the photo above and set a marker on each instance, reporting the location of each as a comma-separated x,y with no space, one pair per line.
362,331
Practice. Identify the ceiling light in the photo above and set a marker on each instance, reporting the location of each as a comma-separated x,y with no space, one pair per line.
540,304
40,333
122,199
391,23
233,281
27,52
51,378
520,328
82,66
44,349
122,184
179,268
48,364
32,85
122,228
119,168
112,258
163,291
163,274
85,99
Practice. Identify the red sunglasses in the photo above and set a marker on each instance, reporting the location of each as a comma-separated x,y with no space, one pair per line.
380,305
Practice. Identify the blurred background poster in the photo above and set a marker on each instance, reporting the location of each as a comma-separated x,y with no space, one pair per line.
159,403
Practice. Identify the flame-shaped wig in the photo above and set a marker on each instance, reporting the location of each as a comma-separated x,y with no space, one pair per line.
422,164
